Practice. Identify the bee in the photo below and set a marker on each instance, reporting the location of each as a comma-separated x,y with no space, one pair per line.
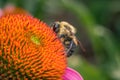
66,32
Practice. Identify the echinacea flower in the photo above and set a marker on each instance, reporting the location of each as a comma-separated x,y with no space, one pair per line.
29,50
71,74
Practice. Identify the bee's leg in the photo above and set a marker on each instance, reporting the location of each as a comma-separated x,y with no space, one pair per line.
83,49
70,49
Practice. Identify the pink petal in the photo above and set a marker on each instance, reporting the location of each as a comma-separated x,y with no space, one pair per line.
1,12
71,74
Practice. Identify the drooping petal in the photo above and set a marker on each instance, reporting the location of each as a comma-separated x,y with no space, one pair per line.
1,12
71,74
12,9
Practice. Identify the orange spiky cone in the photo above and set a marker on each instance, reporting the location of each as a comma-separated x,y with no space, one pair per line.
29,49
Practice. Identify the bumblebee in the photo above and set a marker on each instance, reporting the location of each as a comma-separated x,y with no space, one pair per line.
66,32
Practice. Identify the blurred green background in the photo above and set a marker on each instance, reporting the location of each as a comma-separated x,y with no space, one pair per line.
98,28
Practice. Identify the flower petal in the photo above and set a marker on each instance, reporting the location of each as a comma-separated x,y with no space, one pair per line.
71,74
1,12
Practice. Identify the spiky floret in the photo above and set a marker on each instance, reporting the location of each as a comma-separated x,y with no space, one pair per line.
29,49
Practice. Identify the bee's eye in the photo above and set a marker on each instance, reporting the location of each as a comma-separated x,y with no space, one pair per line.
56,28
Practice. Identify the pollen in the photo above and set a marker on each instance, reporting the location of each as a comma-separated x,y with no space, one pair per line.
29,50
